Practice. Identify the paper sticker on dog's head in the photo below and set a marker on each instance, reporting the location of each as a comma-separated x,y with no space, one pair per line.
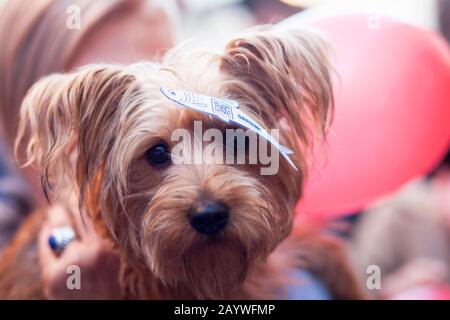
180,192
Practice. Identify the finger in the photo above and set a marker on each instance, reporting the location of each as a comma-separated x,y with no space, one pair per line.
58,216
47,258
83,224
51,263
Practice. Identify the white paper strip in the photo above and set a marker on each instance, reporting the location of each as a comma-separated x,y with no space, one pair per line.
226,110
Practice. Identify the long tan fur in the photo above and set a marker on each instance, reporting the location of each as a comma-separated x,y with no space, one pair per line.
87,132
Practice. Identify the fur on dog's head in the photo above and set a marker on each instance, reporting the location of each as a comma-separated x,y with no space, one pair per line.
92,132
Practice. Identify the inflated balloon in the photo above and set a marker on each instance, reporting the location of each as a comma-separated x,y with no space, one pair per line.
392,116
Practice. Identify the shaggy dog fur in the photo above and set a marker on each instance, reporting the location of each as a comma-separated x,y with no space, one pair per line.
88,133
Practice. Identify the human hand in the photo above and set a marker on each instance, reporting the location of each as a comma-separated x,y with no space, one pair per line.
93,255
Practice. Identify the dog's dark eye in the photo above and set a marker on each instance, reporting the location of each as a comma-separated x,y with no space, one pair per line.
158,155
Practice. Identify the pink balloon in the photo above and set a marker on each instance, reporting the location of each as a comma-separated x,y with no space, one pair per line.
392,117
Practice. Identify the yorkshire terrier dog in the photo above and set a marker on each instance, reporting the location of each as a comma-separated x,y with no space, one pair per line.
205,230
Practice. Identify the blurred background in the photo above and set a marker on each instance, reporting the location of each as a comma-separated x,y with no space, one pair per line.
402,231
213,22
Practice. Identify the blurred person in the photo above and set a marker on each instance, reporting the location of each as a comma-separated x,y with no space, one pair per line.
38,38
408,236
14,203
42,37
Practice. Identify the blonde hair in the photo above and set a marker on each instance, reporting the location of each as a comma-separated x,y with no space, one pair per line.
35,42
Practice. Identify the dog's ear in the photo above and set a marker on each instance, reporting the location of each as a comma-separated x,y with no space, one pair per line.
284,78
67,119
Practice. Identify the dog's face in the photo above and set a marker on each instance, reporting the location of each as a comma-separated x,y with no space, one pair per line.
106,132
204,224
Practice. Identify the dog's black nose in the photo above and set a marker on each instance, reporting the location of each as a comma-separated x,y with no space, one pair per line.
209,217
